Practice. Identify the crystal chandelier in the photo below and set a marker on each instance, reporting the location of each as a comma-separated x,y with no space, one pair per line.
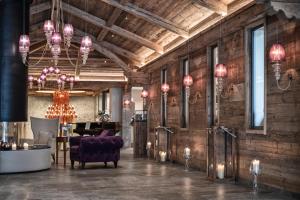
61,108
53,30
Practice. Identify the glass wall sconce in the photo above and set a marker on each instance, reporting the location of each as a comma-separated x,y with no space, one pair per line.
277,55
187,82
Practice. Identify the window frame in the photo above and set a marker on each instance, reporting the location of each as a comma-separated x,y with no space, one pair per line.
164,110
248,77
211,89
184,102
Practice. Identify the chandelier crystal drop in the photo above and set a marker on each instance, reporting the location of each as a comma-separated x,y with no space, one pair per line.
24,44
55,50
84,54
68,34
48,30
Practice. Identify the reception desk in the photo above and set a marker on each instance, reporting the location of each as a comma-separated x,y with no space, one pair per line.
25,160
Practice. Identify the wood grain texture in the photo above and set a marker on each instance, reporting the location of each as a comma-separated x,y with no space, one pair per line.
279,150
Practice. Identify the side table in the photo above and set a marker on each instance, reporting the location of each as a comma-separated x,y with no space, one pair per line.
64,140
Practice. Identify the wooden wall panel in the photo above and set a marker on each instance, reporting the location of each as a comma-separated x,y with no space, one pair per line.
279,150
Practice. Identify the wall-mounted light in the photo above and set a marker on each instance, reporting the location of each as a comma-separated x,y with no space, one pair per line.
126,102
165,88
187,82
220,74
144,95
277,55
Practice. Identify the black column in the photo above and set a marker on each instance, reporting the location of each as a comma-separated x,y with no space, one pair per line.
14,21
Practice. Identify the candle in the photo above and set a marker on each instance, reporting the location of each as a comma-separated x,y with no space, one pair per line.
25,145
148,145
163,156
14,147
187,151
255,166
220,171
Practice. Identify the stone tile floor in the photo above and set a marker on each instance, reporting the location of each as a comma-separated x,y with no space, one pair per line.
134,179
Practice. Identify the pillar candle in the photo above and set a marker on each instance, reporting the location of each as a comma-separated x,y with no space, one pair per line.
255,166
220,171
163,156
25,145
14,147
148,145
187,151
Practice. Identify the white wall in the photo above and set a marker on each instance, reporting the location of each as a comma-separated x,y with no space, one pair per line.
136,97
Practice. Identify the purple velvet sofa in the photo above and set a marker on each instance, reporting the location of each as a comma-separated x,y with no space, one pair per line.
103,148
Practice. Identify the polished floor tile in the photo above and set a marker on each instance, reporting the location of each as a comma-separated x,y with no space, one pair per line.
134,179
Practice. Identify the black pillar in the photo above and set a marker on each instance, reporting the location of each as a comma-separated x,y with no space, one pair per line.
14,21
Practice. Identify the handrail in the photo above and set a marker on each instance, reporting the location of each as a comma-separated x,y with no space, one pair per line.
227,131
168,129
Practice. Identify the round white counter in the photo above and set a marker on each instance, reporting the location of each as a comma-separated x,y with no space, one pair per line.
25,160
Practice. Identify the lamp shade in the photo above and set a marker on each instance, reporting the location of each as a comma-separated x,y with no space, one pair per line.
144,94
165,87
30,78
86,42
126,102
56,38
187,80
24,40
277,53
51,69
68,30
220,71
48,26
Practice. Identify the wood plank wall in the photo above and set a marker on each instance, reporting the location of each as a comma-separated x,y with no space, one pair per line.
279,150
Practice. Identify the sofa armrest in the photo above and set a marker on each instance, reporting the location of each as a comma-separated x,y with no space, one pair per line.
75,141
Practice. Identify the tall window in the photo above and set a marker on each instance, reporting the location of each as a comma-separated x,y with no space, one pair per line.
184,99
214,62
212,104
163,79
257,80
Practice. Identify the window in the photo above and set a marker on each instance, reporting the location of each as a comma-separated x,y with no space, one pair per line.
212,104
163,79
255,78
184,99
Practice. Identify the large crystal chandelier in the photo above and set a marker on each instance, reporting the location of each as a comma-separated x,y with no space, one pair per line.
53,30
60,108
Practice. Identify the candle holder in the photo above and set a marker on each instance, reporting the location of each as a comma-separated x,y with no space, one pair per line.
148,148
255,170
187,157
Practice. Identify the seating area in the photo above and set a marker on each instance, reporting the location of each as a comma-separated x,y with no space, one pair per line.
149,99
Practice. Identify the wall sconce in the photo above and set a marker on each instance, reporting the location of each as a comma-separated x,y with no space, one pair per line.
126,102
165,89
144,95
220,74
187,82
277,55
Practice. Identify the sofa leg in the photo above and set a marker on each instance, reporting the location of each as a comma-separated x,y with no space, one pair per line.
82,165
72,164
105,164
116,164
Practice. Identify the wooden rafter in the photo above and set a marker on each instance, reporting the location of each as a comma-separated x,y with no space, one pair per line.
40,7
214,5
149,16
115,29
112,19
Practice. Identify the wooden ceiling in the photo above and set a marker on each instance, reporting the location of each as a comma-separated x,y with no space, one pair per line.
127,34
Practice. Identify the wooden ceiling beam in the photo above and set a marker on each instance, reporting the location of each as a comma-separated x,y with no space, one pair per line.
115,29
214,5
34,9
149,16
112,19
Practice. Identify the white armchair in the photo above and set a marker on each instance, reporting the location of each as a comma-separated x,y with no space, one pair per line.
45,132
